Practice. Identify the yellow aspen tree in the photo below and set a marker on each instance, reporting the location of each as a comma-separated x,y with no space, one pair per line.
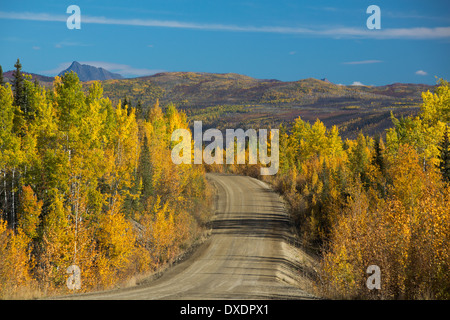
84,251
28,218
116,237
160,232
407,176
57,252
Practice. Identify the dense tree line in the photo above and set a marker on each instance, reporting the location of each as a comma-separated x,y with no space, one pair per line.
86,183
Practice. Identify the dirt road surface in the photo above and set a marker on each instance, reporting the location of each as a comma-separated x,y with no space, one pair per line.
247,256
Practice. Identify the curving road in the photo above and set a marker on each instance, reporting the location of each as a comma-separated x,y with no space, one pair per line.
245,257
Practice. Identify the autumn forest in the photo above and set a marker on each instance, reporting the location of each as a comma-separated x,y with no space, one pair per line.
90,183
87,183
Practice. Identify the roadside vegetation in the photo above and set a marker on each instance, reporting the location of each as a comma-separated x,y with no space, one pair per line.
373,201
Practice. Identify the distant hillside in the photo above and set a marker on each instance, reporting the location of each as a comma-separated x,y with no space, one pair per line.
88,73
85,73
9,75
191,89
238,101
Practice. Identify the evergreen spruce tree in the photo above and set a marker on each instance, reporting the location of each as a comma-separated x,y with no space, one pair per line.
444,149
378,158
124,102
127,104
2,80
36,82
145,171
23,91
139,110
18,86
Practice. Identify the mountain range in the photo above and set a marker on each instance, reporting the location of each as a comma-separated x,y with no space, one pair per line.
88,73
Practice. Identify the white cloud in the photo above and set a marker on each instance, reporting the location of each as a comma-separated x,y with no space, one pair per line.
32,16
386,33
70,44
389,33
123,69
36,48
58,69
357,83
421,73
363,62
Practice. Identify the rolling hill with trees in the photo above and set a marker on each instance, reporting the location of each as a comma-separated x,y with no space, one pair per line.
222,100
234,100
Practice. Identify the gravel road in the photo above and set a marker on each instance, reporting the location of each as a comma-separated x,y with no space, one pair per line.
247,256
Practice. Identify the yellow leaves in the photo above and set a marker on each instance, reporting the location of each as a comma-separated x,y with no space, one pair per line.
175,119
58,245
121,157
92,126
431,241
425,131
436,106
339,267
116,237
3,228
29,214
6,108
359,156
410,245
309,140
160,232
15,265
164,231
407,176
155,114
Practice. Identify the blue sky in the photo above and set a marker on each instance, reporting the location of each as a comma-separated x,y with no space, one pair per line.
285,40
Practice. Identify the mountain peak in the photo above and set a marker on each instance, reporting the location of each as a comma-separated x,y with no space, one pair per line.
88,73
